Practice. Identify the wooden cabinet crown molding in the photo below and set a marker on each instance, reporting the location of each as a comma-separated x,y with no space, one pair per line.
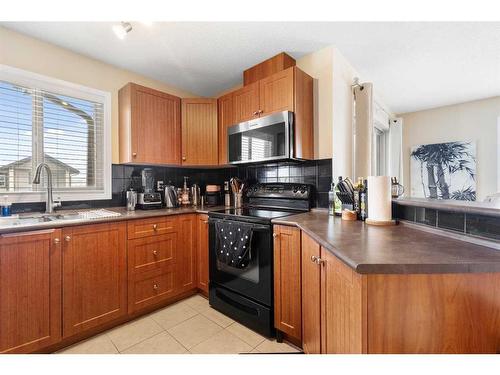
267,68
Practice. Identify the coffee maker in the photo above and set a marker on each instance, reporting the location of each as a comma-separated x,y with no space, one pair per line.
148,199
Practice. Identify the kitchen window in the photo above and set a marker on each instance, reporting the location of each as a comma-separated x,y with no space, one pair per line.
62,124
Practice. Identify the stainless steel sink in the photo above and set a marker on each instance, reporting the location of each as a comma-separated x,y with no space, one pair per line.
37,219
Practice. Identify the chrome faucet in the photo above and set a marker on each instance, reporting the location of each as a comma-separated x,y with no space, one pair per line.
50,205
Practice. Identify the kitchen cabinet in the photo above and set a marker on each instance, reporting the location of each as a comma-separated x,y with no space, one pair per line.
311,296
225,120
343,307
333,303
287,90
246,103
30,290
287,281
267,68
149,126
199,132
202,252
186,252
276,93
94,276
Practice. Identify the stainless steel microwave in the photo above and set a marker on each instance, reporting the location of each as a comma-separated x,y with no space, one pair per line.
262,139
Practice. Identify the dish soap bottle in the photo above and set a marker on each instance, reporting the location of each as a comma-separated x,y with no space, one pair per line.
331,200
6,206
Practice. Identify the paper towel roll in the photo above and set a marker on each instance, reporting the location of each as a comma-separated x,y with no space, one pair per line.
379,198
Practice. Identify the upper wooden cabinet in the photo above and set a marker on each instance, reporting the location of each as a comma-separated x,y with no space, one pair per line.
276,92
94,276
199,132
268,67
287,281
149,126
246,103
287,90
226,119
30,291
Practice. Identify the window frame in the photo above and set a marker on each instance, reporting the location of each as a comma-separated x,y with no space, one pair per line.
61,87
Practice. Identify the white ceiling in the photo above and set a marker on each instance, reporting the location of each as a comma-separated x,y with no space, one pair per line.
413,66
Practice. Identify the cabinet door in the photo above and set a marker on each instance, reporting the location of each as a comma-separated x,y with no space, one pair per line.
246,103
276,92
225,113
156,127
202,252
287,281
311,286
30,291
343,307
186,252
199,132
94,276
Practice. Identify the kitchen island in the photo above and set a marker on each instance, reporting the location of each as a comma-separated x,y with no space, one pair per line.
398,289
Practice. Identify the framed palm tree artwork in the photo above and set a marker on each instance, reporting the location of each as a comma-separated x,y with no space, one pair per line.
444,171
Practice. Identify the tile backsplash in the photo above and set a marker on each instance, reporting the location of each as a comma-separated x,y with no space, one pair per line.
316,172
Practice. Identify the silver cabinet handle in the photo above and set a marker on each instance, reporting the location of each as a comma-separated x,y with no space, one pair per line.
57,240
134,154
183,158
275,235
155,226
155,253
205,221
67,238
314,258
320,262
155,286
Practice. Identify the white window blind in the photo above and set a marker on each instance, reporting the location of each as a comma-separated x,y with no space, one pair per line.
61,124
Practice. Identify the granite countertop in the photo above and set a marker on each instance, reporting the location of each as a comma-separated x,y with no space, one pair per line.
398,249
124,215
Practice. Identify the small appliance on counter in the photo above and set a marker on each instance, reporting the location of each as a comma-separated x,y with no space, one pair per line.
148,199
213,195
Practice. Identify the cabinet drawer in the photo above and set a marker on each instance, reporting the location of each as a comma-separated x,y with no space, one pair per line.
150,227
149,253
151,287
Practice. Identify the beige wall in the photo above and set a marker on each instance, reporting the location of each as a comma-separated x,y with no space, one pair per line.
31,54
471,121
319,65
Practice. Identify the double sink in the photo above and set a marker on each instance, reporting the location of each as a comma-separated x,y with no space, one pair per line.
23,220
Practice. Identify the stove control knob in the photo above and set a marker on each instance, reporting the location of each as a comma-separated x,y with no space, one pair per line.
295,189
303,189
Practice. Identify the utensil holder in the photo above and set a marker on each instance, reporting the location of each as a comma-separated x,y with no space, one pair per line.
238,200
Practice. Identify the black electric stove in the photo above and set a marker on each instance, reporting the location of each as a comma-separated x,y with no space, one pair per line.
246,294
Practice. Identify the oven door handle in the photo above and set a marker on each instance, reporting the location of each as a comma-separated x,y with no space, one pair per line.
255,227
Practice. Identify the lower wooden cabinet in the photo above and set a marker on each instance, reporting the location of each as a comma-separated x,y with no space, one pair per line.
202,252
287,281
186,253
333,303
311,296
94,276
30,291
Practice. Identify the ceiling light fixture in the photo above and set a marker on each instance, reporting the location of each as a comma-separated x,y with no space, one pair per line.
122,29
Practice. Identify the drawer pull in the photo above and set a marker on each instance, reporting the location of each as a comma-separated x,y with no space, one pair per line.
155,253
57,240
155,226
67,238
314,258
155,286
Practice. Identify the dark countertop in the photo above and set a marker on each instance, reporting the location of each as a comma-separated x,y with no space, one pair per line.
124,215
399,249
479,208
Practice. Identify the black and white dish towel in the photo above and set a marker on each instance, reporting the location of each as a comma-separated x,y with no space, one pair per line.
233,243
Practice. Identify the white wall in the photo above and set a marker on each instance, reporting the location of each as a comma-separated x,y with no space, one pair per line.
471,121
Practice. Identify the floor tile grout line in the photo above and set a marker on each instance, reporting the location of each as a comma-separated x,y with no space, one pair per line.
132,321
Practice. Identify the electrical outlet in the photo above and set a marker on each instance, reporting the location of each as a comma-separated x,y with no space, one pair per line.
159,185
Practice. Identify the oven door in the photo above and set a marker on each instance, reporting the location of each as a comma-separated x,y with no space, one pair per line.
255,280
262,139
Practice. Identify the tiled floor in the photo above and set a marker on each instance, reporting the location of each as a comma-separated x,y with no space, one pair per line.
188,326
